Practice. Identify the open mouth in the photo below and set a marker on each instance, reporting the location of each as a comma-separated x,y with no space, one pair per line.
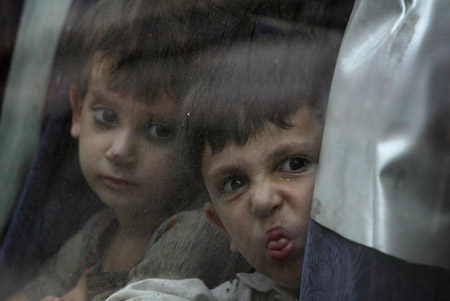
279,244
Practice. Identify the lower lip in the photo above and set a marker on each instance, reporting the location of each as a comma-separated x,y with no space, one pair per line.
279,245
117,184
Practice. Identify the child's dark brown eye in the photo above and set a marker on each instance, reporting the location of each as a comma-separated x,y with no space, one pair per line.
295,164
105,116
159,130
234,183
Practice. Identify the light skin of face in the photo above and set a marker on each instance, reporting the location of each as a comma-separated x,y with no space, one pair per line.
126,150
261,194
128,158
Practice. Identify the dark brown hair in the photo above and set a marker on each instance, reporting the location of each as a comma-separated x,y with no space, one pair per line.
236,92
151,40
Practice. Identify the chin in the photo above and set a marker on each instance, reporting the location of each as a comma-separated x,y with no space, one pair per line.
290,278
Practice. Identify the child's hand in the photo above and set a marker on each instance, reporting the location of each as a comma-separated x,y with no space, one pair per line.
78,293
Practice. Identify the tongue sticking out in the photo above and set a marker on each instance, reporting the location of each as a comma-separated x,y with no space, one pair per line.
279,247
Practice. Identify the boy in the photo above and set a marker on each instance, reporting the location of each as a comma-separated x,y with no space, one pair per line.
125,104
253,128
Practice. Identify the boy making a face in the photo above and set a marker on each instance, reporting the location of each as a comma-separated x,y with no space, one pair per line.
253,123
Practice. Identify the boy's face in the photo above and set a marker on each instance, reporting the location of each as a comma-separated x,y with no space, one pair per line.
126,150
261,195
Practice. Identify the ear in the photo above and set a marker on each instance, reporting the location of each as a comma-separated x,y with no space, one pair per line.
211,214
77,104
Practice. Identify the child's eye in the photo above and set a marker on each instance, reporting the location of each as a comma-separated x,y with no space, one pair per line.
234,183
294,164
105,116
158,130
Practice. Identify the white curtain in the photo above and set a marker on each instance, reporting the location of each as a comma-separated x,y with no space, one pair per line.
25,94
384,179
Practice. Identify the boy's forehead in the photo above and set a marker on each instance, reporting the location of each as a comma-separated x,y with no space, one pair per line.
99,83
235,129
101,68
159,106
270,143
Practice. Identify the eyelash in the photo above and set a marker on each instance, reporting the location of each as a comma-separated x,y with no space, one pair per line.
100,117
223,189
304,166
305,162
153,131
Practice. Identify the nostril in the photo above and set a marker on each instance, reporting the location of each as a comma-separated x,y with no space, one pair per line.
122,159
265,198
265,210
115,154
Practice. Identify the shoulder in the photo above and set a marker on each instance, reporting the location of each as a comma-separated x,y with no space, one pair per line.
79,242
182,222
72,255
187,245
173,251
62,271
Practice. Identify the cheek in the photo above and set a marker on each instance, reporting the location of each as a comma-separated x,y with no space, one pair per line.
90,152
92,141
160,163
302,197
87,147
236,222
308,194
89,162
92,149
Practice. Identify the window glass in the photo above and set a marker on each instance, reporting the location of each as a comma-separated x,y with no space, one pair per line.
187,144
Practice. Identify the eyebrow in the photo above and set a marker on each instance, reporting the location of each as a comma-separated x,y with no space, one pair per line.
226,170
221,173
100,96
306,148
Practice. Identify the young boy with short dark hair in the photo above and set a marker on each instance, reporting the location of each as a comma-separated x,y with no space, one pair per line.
125,104
254,122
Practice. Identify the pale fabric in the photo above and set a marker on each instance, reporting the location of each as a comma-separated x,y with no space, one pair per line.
25,93
384,174
246,286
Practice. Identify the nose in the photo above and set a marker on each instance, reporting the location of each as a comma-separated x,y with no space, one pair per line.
122,150
265,199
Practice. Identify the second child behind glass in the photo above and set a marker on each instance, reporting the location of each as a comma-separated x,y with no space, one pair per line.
125,121
125,102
